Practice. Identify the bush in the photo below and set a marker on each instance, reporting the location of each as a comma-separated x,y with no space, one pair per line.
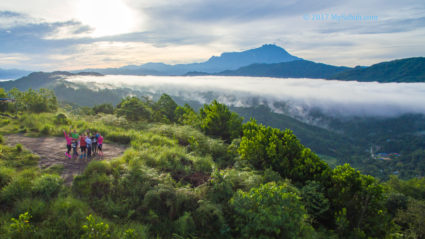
19,147
266,147
103,108
270,211
218,121
209,220
21,227
36,207
95,229
47,186
134,109
17,189
119,138
47,129
65,218
61,118
5,176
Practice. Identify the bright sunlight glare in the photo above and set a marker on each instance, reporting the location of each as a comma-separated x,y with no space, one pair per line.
106,17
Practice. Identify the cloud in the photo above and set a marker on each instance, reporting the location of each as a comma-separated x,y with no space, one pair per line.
297,96
44,28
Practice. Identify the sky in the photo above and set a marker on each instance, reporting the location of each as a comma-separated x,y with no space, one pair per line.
77,34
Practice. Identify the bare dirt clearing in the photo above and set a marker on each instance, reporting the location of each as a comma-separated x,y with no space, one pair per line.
52,151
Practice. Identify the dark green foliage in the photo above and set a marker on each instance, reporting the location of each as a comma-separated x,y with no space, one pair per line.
209,220
118,138
218,121
414,187
17,189
412,219
103,108
166,106
47,186
266,147
396,201
315,201
358,199
270,211
134,109
66,218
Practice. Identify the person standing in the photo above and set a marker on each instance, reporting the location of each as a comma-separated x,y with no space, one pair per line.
99,144
94,144
89,145
68,143
83,146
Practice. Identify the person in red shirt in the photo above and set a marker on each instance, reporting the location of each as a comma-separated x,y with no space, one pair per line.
99,144
83,146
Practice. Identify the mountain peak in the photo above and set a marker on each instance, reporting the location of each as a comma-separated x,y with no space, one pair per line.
267,53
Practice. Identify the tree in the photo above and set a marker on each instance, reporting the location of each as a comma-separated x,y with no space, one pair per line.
134,109
413,219
43,100
167,107
218,121
186,115
270,211
103,108
266,147
358,199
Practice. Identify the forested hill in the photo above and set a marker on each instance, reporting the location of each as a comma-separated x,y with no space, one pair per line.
188,174
293,69
37,80
403,70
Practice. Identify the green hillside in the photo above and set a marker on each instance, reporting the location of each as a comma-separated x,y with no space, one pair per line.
189,174
292,69
403,70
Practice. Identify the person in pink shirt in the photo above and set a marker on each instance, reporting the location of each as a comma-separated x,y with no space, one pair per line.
68,143
99,144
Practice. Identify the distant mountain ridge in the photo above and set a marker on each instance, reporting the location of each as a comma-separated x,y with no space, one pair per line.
402,70
12,73
37,80
293,69
267,54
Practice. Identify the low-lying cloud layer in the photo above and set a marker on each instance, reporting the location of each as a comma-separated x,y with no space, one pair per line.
293,96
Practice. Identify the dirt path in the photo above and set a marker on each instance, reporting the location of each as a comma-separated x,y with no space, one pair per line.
52,151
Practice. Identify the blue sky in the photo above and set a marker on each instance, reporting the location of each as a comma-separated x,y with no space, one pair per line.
77,34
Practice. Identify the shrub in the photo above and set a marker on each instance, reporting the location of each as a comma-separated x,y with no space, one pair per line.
218,121
61,118
21,227
5,176
47,186
269,211
95,229
266,147
65,218
19,147
47,129
36,207
118,138
134,109
209,220
103,108
17,189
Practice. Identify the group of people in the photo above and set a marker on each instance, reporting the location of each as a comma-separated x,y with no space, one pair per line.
90,144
